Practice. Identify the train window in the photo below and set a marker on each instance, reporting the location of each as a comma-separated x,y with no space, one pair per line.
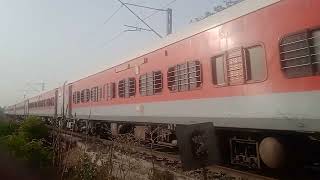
104,91
150,83
127,88
157,87
101,93
300,54
184,77
316,50
94,94
235,67
131,87
78,97
99,98
74,98
121,88
87,95
239,66
82,96
218,66
111,90
256,63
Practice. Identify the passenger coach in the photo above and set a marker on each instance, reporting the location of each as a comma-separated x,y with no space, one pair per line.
252,70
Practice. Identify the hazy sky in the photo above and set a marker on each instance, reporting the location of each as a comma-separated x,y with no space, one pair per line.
53,41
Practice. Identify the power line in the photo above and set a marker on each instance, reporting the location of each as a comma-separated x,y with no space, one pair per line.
156,12
147,17
113,38
113,14
168,12
140,19
145,7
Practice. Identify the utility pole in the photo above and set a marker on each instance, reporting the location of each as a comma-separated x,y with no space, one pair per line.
169,21
169,18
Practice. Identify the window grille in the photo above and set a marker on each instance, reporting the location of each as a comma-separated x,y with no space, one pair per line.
94,94
74,98
82,96
150,83
235,67
127,88
99,95
87,95
78,96
300,54
185,77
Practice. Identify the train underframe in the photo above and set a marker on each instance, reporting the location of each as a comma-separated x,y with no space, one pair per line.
243,148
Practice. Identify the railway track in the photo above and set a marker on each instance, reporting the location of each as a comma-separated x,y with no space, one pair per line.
170,160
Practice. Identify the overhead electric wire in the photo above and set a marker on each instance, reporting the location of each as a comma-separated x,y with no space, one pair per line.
156,12
113,38
137,16
114,13
145,18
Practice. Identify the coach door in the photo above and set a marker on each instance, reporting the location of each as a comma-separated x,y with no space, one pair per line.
69,101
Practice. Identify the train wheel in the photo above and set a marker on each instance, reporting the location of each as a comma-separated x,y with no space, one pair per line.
272,152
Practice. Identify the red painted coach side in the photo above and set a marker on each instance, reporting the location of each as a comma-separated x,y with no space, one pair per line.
266,26
47,109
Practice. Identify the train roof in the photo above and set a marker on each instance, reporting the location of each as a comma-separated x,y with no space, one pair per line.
242,8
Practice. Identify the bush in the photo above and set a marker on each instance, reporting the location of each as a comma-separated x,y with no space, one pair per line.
37,154
7,128
14,143
25,142
33,128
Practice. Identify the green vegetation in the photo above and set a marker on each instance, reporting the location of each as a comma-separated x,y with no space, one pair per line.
1,114
7,128
26,141
85,169
33,128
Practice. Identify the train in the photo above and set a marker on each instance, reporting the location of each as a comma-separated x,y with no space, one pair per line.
252,70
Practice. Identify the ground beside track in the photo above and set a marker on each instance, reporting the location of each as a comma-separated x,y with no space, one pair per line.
138,162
